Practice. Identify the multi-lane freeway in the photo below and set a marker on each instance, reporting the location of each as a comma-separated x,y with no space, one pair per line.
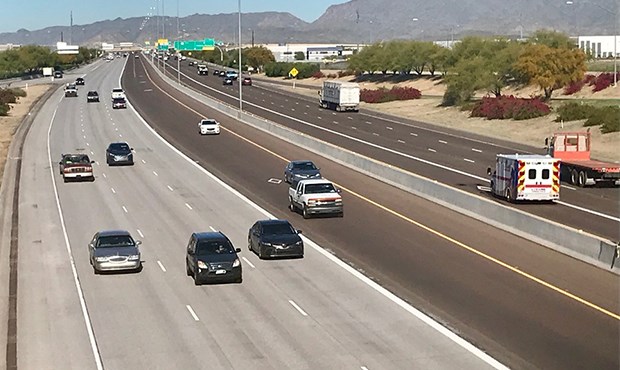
449,156
512,301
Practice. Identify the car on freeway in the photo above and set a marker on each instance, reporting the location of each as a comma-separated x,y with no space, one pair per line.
136,56
57,74
232,74
227,81
190,63
300,170
216,72
114,250
118,92
79,81
209,126
71,90
119,103
222,73
275,238
247,81
92,96
119,153
76,167
211,257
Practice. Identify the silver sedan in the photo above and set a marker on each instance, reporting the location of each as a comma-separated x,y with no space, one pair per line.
114,250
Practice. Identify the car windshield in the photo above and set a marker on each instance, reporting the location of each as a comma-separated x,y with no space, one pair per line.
77,159
305,166
208,122
212,247
119,100
278,229
320,188
114,241
92,93
119,147
117,90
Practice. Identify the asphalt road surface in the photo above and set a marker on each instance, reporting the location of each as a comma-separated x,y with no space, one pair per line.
522,303
449,156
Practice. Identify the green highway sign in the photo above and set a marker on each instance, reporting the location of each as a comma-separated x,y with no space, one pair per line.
194,45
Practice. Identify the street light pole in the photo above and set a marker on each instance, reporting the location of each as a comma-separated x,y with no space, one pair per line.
239,78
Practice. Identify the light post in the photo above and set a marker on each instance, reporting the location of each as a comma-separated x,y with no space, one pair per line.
239,78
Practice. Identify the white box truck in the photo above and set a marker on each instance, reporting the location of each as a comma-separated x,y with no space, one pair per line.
48,71
340,96
524,177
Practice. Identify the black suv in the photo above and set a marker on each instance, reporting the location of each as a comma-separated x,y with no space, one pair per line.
275,238
119,153
92,96
211,257
79,81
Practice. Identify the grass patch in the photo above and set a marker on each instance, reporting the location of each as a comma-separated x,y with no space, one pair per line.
600,65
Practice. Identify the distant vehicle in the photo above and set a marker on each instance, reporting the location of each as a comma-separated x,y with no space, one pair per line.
247,81
573,148
136,56
57,74
92,96
48,71
519,177
216,72
119,103
119,153
222,73
183,57
76,167
275,238
227,81
114,250
79,81
209,126
301,170
232,75
203,70
340,96
190,63
118,93
211,257
314,197
71,91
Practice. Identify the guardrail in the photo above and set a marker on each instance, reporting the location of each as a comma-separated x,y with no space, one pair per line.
589,248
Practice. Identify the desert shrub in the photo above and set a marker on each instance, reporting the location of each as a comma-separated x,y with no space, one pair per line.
4,109
20,93
505,107
318,74
573,87
451,97
332,75
7,96
346,73
607,117
384,95
574,111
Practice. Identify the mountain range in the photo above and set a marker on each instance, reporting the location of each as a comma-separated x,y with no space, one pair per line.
355,21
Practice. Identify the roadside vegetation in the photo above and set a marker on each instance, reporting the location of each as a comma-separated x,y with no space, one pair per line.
28,61
9,96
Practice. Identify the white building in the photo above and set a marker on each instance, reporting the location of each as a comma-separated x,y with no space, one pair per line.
311,52
600,46
5,47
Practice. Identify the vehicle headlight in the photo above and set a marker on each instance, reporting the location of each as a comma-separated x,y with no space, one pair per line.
299,243
237,263
266,244
203,265
101,259
134,257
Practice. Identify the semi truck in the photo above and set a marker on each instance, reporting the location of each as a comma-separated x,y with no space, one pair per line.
525,177
573,149
340,96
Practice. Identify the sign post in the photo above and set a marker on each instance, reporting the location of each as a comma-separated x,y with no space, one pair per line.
293,73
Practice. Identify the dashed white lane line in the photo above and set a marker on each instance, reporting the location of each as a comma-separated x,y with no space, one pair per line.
469,160
568,187
212,228
293,109
282,106
413,134
116,129
140,232
443,141
143,161
297,308
120,135
296,103
401,141
191,311
104,176
82,130
305,112
87,144
248,262
368,122
307,106
84,136
336,122
374,133
432,150
349,117
155,173
161,266
364,368
353,127
319,117
113,191
91,153
114,124
125,209
97,163
388,127
188,206
476,150
169,187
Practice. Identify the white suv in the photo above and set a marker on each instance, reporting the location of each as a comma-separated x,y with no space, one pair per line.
209,126
118,93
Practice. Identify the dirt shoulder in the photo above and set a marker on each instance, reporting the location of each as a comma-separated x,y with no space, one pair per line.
530,132
10,123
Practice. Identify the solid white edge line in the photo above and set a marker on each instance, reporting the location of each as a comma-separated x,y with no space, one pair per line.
412,310
161,266
302,312
617,219
191,311
78,286
248,262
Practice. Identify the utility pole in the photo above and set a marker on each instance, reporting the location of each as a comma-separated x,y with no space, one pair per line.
71,28
239,78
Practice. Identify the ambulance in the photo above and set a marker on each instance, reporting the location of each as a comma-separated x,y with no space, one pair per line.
525,177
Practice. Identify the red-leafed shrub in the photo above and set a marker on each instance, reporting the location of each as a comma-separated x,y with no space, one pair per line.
332,75
345,73
603,81
573,87
505,107
318,74
384,95
588,79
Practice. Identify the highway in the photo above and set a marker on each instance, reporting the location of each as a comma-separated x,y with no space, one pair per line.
448,156
441,262
315,312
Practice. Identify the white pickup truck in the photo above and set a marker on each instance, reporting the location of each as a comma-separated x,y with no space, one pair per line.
118,93
313,197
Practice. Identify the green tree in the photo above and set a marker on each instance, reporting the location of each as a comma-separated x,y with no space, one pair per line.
553,39
258,56
300,55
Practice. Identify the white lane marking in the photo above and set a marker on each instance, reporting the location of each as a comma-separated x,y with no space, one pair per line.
319,117
389,128
368,122
432,150
82,130
568,187
87,144
84,136
212,228
443,141
305,112
476,150
78,286
293,109
97,163
191,311
349,117
116,129
307,106
113,191
155,173
125,209
282,106
170,188
103,174
188,206
297,308
143,161
114,124
353,127
140,233
372,284
248,262
374,133
617,219
469,160
91,153
413,134
364,368
401,141
161,266
336,122
120,135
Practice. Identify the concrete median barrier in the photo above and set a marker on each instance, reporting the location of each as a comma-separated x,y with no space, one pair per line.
589,248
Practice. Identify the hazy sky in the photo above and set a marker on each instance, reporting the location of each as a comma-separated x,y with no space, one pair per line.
37,14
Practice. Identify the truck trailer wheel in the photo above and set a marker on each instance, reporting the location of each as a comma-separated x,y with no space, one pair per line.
574,177
582,179
509,196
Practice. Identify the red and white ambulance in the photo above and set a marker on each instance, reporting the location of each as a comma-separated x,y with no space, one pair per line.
519,177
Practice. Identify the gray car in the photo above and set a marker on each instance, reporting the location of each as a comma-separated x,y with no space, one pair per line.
114,250
301,170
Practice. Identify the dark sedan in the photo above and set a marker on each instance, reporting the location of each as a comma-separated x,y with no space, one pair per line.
301,170
211,257
114,250
119,103
92,96
275,238
247,81
119,153
227,81
79,81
